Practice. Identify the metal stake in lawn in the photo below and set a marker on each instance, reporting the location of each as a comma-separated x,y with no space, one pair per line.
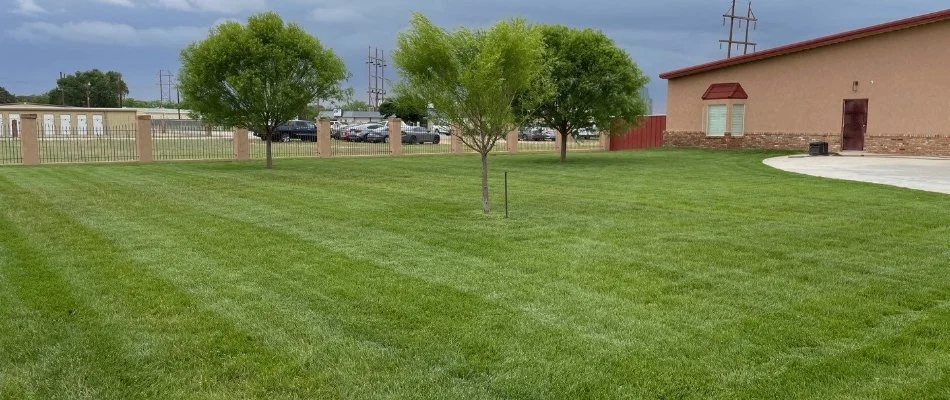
506,194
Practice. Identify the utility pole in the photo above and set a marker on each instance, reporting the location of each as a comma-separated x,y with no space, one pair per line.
62,94
178,100
376,76
732,17
88,88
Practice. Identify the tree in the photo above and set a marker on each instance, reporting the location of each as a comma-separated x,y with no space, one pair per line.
592,83
355,105
92,88
471,77
258,75
6,97
405,108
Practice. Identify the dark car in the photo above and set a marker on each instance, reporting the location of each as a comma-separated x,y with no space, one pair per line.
296,129
418,134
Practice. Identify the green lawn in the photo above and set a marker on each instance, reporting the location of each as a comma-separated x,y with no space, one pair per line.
654,274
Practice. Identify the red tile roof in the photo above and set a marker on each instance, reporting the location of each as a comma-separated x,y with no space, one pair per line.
720,91
938,16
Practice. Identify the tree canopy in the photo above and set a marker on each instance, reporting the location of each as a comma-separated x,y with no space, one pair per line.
6,96
103,89
355,105
405,108
592,83
471,77
258,75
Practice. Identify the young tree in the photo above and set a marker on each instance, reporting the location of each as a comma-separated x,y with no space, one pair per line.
471,77
258,75
592,83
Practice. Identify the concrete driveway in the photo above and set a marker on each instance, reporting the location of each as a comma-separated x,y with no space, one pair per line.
932,175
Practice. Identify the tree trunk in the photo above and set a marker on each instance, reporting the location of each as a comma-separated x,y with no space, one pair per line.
485,204
563,134
270,159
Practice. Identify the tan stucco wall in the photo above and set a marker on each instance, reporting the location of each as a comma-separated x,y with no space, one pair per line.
111,118
804,92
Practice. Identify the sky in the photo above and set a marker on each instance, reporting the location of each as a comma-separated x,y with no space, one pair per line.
139,38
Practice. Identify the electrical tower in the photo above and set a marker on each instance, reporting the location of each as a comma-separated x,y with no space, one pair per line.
165,86
732,17
376,74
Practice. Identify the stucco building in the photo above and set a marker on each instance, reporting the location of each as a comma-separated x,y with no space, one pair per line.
65,121
881,89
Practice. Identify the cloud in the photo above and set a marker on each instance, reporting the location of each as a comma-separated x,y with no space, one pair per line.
218,6
215,6
108,33
336,15
28,7
123,3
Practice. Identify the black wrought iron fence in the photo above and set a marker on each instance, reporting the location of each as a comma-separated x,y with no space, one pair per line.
360,146
10,150
428,143
106,144
190,140
292,147
583,141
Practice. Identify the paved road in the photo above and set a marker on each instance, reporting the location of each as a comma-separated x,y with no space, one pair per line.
932,175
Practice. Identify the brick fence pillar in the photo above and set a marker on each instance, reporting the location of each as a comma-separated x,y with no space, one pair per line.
511,141
29,141
241,144
395,136
143,138
323,138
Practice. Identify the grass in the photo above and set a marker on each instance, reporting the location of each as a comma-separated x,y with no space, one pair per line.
655,274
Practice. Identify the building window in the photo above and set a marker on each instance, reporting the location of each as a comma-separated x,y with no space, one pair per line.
716,120
738,119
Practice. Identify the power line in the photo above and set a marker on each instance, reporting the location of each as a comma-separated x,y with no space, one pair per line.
376,75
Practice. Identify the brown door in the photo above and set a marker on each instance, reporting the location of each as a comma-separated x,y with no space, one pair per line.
855,124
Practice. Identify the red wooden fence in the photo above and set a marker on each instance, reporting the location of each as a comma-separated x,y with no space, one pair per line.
648,134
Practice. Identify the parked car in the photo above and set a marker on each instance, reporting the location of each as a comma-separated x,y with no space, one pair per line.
410,135
441,129
357,133
294,129
536,134
418,134
587,134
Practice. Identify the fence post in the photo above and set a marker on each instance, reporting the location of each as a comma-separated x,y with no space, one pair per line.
511,141
605,141
29,142
456,139
395,136
323,138
143,138
242,144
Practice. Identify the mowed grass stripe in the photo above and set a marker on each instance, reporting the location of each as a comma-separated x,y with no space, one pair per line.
161,339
